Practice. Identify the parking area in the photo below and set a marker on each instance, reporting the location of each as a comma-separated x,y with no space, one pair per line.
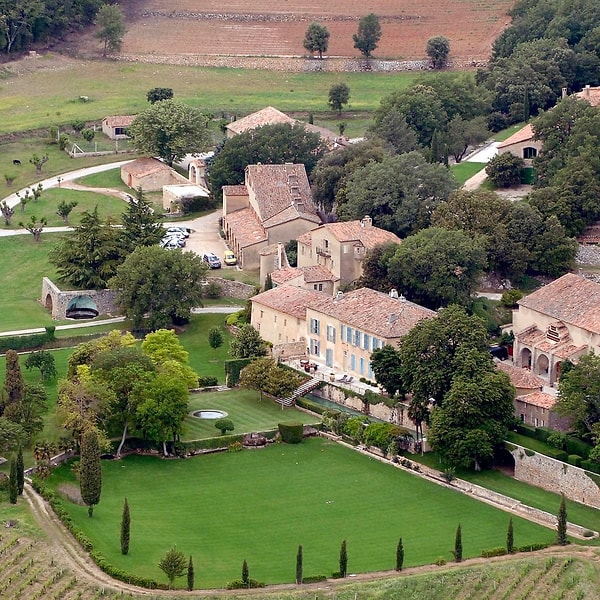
205,235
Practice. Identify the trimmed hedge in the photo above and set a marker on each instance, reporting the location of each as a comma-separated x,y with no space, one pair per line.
493,552
533,547
238,584
233,368
291,433
312,406
27,342
314,578
577,446
207,381
575,460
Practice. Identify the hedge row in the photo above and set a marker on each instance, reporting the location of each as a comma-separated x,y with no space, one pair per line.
312,406
233,369
501,551
33,341
87,544
573,445
291,433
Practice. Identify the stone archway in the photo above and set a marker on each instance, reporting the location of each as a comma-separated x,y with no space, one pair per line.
556,371
542,365
525,358
48,303
504,461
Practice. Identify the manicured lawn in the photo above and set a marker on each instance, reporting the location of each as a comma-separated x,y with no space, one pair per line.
105,179
259,505
45,207
465,170
245,409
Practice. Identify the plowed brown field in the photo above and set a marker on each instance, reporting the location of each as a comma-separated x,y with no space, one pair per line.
267,28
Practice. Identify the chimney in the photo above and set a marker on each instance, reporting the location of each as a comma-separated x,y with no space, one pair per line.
586,91
366,221
338,296
394,293
564,92
279,253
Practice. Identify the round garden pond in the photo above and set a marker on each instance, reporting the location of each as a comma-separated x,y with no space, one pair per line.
209,414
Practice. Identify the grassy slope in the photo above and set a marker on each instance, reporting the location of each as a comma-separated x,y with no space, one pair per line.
259,505
465,170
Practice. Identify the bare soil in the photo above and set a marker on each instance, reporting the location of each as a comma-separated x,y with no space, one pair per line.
261,34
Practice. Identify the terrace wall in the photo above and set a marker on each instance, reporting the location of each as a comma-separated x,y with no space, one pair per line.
555,476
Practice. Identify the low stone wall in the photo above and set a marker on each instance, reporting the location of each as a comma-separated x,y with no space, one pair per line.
57,300
234,289
555,476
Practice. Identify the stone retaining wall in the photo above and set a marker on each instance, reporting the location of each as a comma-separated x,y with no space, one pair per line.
234,289
555,476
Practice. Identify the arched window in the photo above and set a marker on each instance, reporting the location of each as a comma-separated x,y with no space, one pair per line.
529,152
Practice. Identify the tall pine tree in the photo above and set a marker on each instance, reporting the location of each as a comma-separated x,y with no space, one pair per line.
90,470
561,525
190,575
343,559
125,528
399,555
20,472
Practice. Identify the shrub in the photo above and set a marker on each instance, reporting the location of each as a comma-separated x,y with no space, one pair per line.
238,584
542,434
493,552
577,446
590,465
312,406
575,460
440,562
510,298
559,455
224,425
557,440
533,547
207,381
314,578
233,368
291,433
213,290
505,170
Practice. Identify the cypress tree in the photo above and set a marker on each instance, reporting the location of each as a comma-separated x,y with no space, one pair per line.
125,526
510,537
399,555
13,487
90,470
14,386
299,560
245,574
343,560
561,526
20,472
458,544
190,575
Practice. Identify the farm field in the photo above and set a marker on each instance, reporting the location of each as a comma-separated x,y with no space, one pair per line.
256,505
259,28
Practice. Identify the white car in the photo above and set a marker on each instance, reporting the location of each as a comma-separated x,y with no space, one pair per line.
178,231
172,242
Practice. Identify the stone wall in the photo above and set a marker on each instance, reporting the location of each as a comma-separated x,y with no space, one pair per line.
289,350
234,289
56,300
555,476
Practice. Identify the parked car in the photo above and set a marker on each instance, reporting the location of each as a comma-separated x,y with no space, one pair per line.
229,258
212,260
171,243
179,231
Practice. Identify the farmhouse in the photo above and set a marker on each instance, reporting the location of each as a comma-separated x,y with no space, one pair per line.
150,174
338,332
557,322
522,144
274,205
116,127
342,247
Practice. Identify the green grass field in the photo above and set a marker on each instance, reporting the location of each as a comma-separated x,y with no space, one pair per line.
465,170
259,505
244,408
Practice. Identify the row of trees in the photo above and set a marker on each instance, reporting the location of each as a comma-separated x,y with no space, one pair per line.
367,38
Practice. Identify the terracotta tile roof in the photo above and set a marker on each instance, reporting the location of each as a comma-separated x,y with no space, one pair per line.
282,276
521,378
235,190
571,299
305,238
246,228
145,166
354,231
522,135
288,299
591,94
278,187
540,399
571,351
266,116
119,121
374,312
316,273
290,214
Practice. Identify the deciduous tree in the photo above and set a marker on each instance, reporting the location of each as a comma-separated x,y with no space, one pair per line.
35,227
38,161
438,49
90,470
44,361
111,27
11,436
173,565
505,170
64,209
157,287
159,93
316,39
247,343
387,369
7,212
368,35
170,130
256,374
14,386
339,95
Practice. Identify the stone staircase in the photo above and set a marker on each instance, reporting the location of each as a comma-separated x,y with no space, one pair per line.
306,387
